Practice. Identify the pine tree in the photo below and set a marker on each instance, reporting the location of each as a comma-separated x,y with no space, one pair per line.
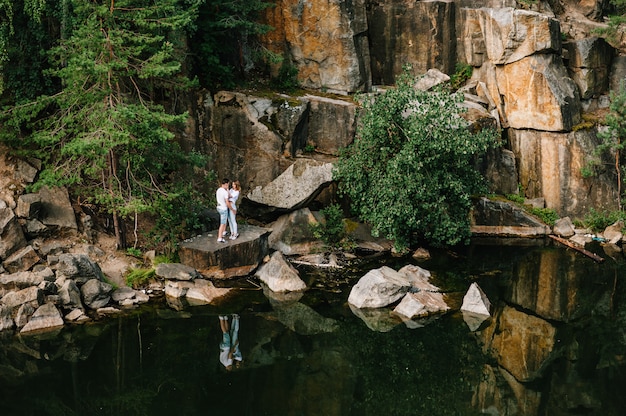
105,131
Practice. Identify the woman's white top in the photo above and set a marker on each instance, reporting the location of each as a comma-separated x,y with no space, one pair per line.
233,197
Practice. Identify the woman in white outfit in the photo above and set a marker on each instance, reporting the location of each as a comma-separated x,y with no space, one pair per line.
233,195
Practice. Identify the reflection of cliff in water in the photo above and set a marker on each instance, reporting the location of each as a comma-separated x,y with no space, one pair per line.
554,346
557,338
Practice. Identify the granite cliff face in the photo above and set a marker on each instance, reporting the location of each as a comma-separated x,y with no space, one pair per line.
537,67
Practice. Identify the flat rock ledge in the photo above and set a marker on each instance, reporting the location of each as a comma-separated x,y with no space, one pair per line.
235,258
504,219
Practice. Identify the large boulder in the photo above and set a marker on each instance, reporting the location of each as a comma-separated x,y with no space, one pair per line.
378,288
295,187
96,293
425,298
56,209
279,275
47,317
238,257
11,233
291,233
78,267
420,304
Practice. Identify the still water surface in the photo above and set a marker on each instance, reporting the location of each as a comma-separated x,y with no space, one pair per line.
555,345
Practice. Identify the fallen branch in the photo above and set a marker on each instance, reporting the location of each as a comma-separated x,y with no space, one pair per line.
320,265
576,247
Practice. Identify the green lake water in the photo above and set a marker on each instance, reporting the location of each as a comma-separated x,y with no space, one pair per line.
555,345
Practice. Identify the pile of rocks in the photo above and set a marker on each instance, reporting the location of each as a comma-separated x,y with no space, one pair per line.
65,289
45,280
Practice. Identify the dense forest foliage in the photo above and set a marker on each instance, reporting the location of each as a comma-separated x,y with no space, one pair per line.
90,88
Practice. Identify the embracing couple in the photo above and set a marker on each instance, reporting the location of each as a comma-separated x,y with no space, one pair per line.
227,208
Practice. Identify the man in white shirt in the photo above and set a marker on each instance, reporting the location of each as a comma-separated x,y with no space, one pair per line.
223,205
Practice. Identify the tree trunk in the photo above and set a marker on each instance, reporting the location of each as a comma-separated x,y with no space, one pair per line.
118,222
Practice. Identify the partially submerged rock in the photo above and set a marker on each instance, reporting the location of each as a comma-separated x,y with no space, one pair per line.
378,288
279,275
475,301
564,227
384,286
47,317
420,304
476,307
613,233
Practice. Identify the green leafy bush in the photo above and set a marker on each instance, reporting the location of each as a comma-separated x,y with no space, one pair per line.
515,198
133,251
139,277
599,220
332,230
547,215
410,172
463,72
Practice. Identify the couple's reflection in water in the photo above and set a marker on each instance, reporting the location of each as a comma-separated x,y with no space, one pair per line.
230,354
